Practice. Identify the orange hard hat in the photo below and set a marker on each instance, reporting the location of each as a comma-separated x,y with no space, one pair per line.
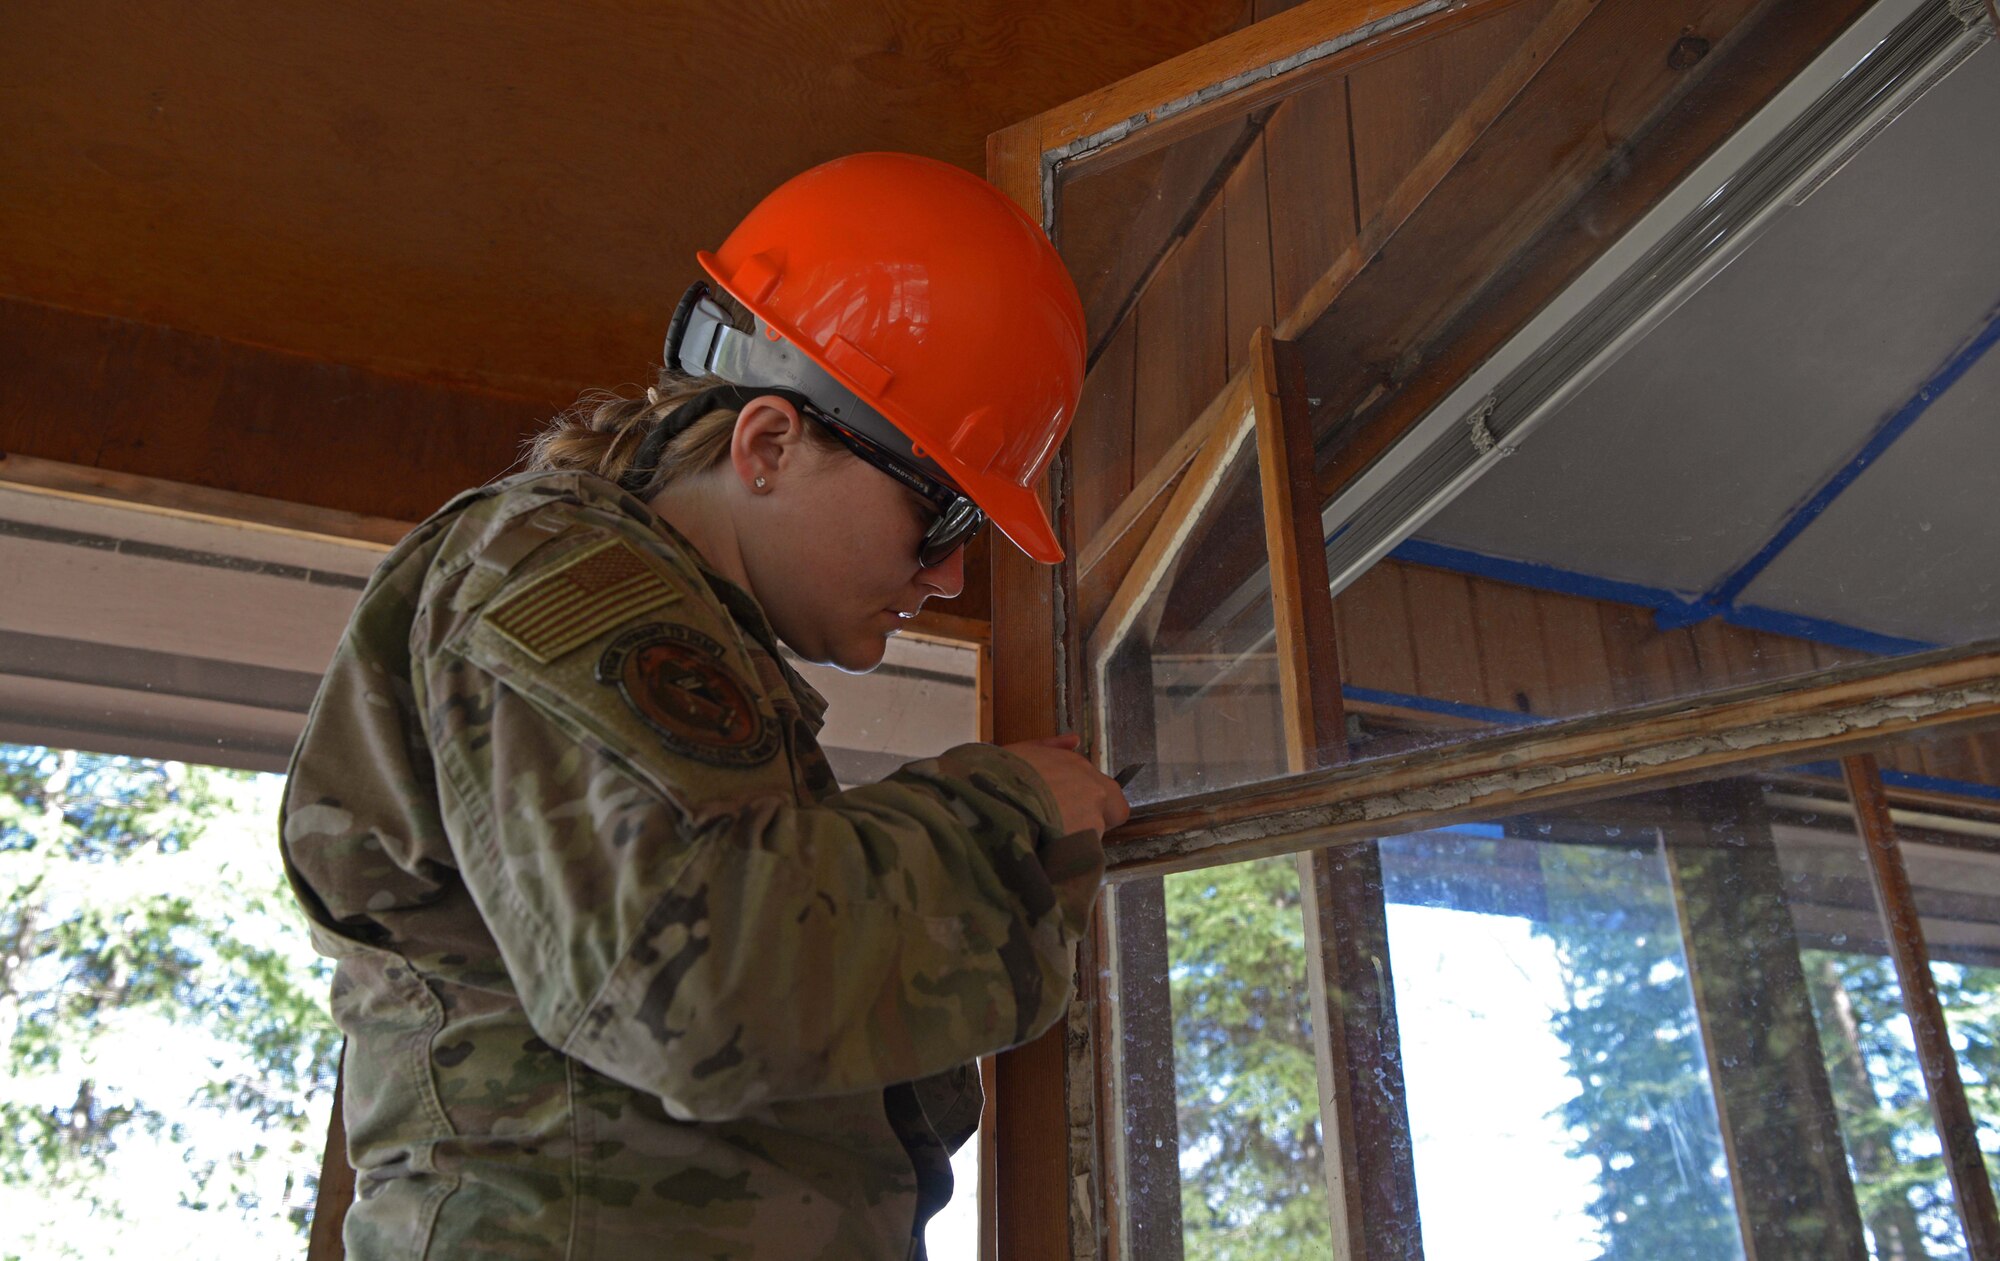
935,300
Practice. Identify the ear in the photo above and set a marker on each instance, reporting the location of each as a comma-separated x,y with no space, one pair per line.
768,440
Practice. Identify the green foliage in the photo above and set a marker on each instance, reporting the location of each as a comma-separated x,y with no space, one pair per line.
1643,1119
1644,1115
144,907
1252,1182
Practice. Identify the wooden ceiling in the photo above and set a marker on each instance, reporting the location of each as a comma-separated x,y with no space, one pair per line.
504,194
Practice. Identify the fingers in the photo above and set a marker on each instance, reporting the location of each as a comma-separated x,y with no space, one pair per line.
1068,740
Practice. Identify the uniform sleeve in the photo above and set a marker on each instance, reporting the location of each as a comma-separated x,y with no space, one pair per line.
692,931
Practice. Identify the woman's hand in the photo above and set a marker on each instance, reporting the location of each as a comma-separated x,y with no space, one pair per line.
1091,803
1088,799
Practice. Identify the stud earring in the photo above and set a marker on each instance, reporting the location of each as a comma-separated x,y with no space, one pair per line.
760,483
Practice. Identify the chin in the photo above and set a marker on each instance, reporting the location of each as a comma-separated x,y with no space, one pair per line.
860,655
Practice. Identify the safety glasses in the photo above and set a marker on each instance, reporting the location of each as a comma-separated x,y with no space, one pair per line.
958,519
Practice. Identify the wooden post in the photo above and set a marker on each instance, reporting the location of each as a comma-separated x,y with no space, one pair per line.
336,1180
1148,1174
1957,1129
1143,1168
1787,1164
1036,680
1364,1120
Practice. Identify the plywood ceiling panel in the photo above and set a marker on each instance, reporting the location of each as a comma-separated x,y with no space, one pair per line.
507,192
1681,461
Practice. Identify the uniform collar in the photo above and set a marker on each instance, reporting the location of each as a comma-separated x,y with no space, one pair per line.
743,607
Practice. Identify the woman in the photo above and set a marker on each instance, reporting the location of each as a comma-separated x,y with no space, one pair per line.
622,972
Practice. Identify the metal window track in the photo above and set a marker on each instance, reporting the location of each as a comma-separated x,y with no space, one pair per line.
1786,152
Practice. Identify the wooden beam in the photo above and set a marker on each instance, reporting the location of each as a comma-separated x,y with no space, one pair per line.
1227,77
1774,1101
1370,1173
1957,1128
1564,763
1308,647
1444,155
200,503
336,1181
1148,1174
1109,555
1565,166
1036,685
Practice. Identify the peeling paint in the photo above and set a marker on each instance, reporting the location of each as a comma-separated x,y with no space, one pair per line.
1053,159
1513,780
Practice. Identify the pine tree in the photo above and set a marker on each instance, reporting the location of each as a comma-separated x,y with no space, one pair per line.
143,900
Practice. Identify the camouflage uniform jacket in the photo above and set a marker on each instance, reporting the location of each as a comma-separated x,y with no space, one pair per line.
621,970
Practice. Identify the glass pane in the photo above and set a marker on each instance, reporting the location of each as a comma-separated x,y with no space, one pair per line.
1558,1094
1181,251
1744,439
1209,1000
1772,465
1659,1028
1944,793
1689,1000
1184,684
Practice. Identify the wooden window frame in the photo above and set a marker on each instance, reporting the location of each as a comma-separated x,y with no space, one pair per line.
1055,625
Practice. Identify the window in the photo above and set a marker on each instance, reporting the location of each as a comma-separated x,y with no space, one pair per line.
1531,453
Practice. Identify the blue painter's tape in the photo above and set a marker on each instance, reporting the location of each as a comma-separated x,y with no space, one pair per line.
1819,630
1910,779
1450,709
1671,610
1527,573
1898,423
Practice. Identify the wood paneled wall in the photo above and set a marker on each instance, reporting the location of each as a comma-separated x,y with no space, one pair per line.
1325,160
158,402
1435,636
1320,166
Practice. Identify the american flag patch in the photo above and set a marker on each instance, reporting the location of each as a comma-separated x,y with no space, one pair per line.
593,591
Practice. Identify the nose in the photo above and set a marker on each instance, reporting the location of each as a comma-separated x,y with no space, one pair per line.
947,577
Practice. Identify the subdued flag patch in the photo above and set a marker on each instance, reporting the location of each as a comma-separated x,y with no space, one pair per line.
588,594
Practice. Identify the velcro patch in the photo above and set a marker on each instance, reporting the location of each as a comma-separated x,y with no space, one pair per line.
589,593
679,682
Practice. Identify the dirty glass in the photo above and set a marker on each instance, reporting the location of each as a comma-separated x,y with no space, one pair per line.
1679,410
1184,684
1944,794
1219,1143
1660,1028
1179,261
1738,438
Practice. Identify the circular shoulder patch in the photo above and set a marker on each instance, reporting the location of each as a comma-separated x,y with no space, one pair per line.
677,680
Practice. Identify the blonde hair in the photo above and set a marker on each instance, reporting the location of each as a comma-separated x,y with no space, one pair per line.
602,432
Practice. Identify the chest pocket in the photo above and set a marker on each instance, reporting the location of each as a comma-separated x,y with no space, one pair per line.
613,648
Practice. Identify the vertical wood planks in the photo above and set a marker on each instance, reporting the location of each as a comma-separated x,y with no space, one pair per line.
1101,438
1311,188
1246,210
1401,105
1444,635
1515,672
1182,357
1573,645
1375,632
